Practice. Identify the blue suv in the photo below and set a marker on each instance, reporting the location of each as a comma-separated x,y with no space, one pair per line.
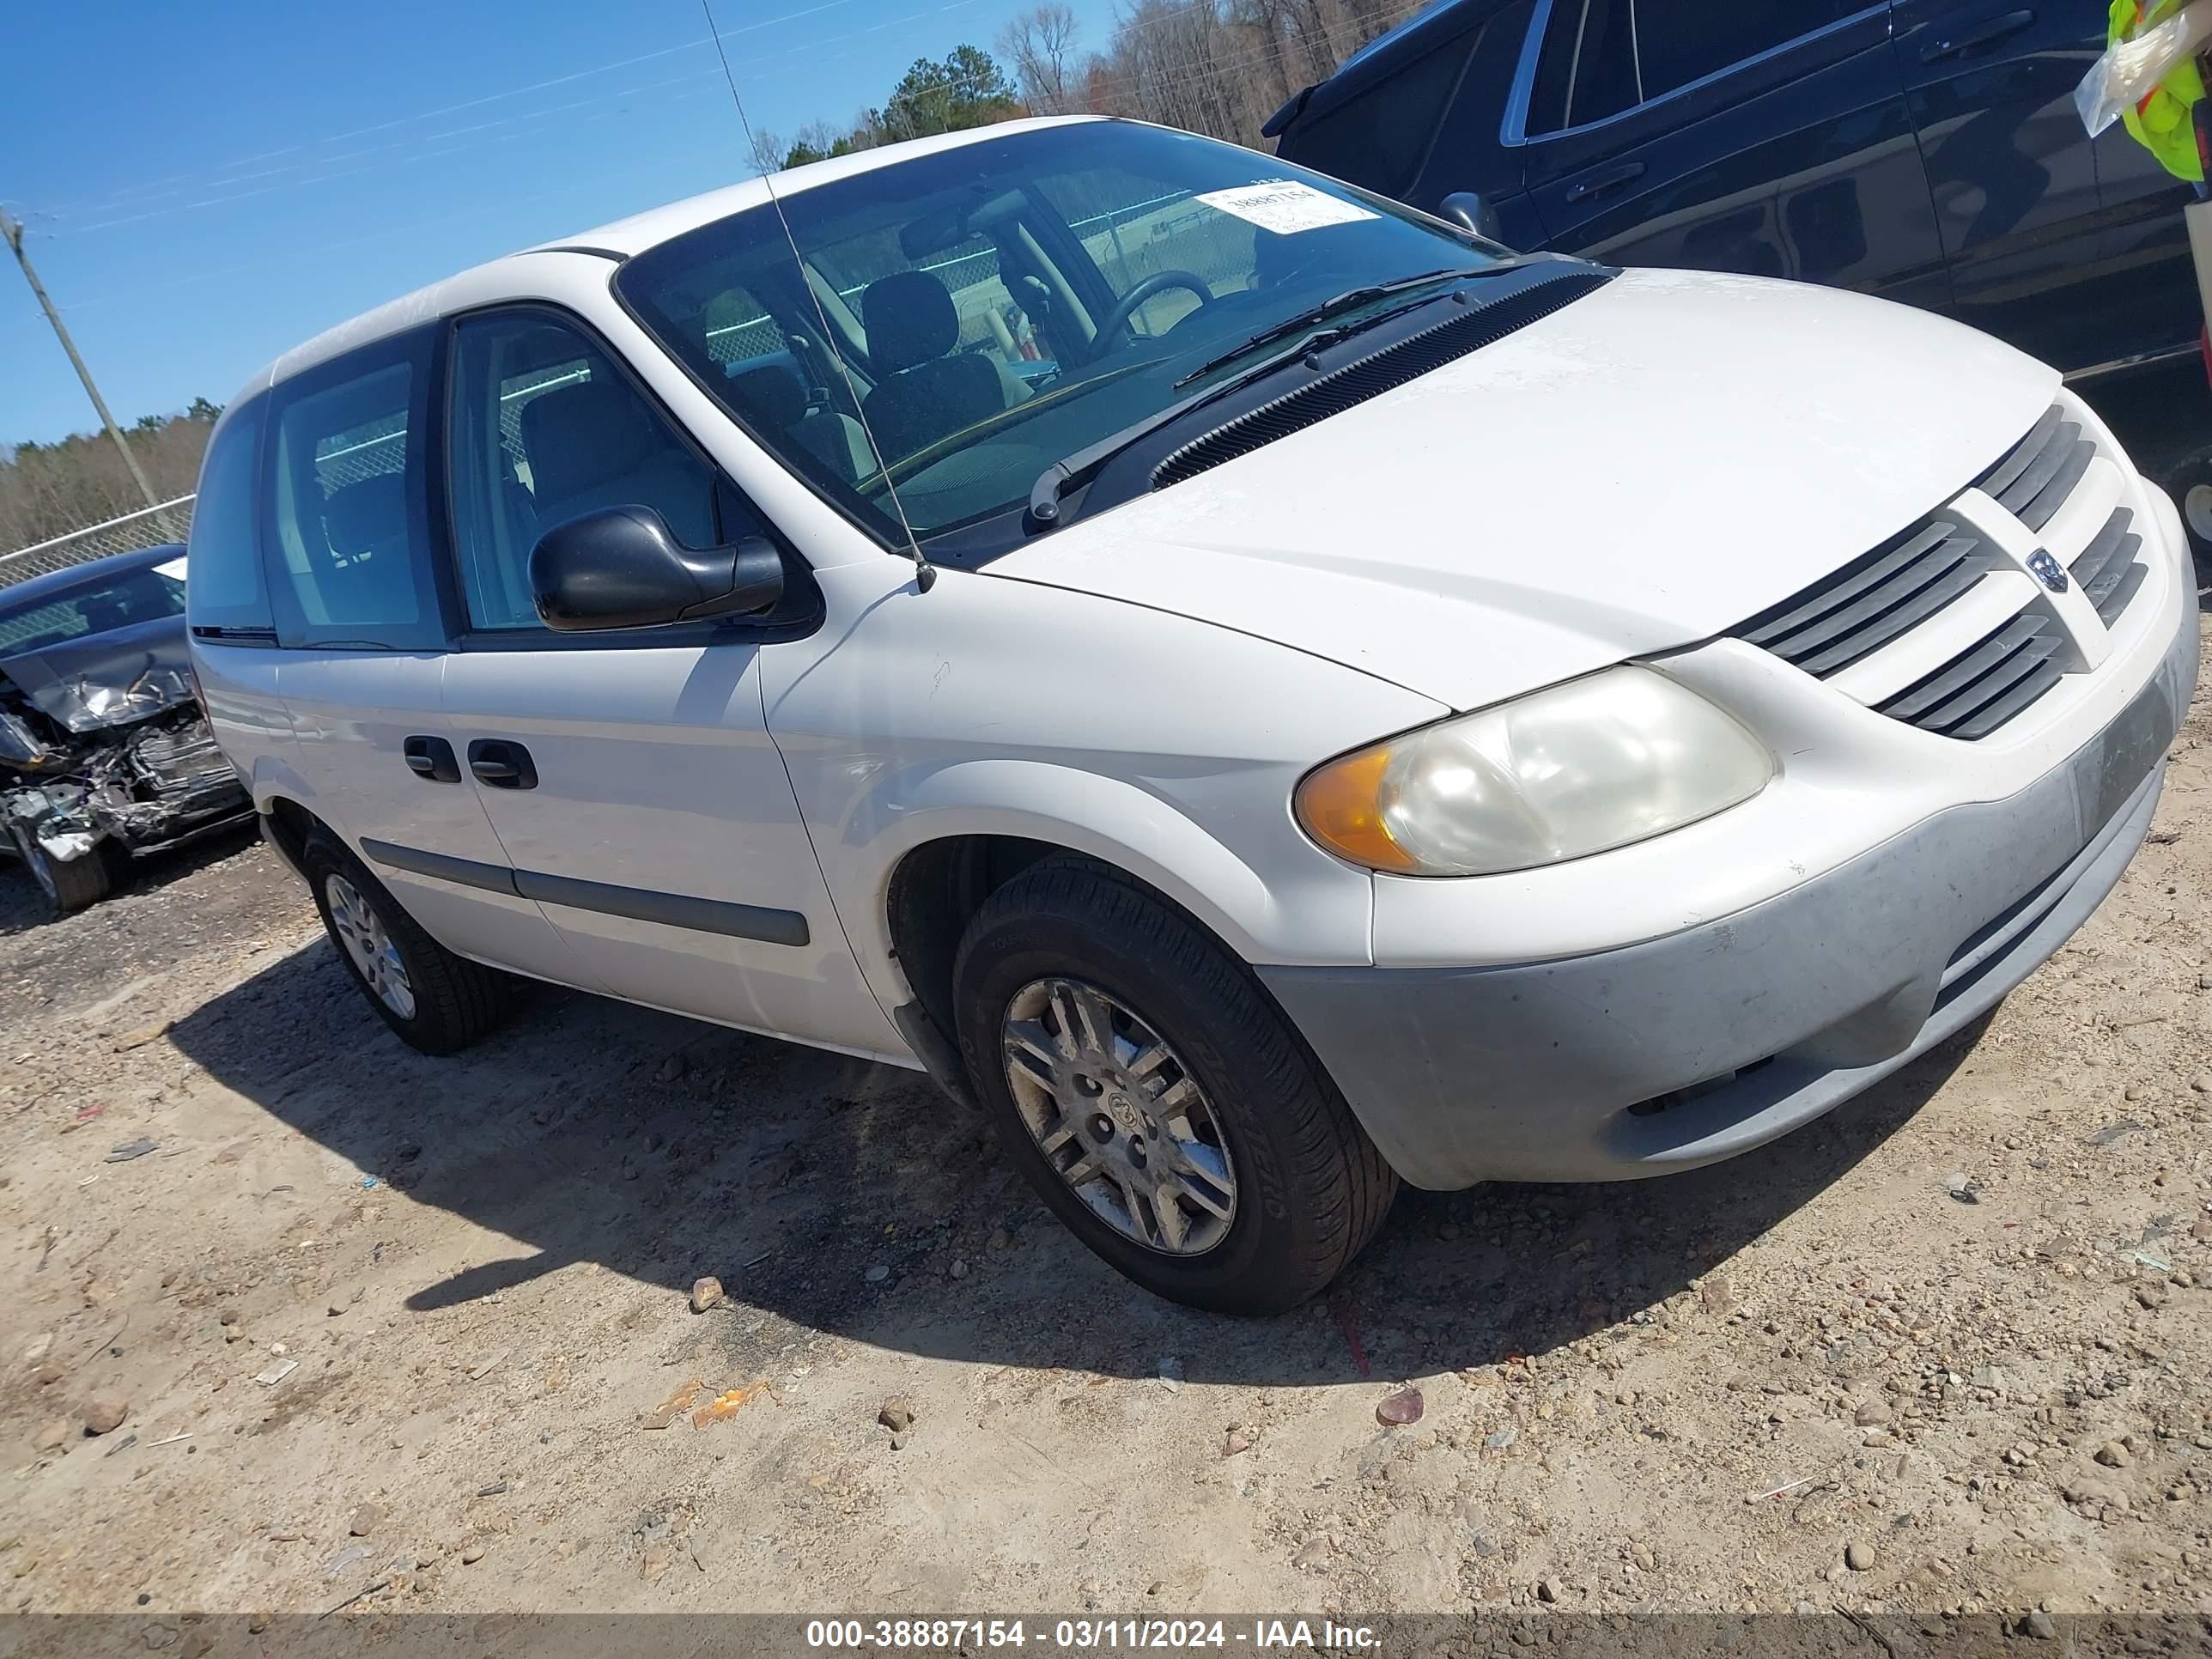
1924,150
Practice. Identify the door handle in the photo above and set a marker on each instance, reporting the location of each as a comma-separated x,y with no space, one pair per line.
1978,39
1606,183
499,764
431,759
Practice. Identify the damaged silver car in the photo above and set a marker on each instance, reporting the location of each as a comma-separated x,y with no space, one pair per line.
104,751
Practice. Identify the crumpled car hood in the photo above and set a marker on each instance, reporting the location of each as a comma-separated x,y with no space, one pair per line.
101,680
1639,471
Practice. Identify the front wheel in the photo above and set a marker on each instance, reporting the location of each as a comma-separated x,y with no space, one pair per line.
2197,515
1156,1098
68,883
435,1000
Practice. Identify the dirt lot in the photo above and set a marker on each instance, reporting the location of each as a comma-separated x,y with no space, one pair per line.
421,1320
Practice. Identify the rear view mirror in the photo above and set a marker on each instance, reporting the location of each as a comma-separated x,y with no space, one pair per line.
622,567
1470,210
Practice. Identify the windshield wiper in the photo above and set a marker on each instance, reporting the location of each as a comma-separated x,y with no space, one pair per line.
1066,473
1351,300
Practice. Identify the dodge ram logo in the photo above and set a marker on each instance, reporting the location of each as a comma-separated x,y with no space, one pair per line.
2047,570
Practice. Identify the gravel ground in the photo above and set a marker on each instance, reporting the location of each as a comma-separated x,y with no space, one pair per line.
361,1318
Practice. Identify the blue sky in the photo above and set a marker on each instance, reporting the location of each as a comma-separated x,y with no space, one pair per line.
206,186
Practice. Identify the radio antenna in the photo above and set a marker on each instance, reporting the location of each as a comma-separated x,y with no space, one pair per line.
925,574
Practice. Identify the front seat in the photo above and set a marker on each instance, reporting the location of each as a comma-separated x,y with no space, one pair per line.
923,392
596,445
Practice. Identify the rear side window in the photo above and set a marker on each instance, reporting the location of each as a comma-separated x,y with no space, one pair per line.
348,522
225,596
1602,57
1586,69
1378,138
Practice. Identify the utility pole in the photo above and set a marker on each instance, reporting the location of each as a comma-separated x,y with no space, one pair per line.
12,228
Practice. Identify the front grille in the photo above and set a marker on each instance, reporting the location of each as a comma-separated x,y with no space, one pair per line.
2032,482
1891,591
1926,579
1972,696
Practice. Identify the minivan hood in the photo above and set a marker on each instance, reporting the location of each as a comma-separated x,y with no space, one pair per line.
1641,470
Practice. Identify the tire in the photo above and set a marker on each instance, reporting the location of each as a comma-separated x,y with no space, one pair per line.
2193,494
68,883
1306,1189
439,1002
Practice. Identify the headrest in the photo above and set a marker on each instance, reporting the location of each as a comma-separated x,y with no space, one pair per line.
104,613
358,516
910,319
770,393
578,437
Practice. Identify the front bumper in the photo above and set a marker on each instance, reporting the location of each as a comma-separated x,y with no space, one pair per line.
1530,1072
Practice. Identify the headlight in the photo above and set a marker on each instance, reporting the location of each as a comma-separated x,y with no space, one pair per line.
1593,764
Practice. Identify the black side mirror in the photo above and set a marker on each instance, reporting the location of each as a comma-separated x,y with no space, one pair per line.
1469,211
622,567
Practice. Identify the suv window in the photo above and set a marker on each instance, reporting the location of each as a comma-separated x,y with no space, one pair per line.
347,528
227,596
1377,138
545,429
1602,57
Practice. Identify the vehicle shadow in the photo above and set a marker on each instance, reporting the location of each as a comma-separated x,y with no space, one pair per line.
663,1149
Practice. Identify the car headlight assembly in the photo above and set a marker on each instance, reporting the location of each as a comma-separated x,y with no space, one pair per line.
1578,769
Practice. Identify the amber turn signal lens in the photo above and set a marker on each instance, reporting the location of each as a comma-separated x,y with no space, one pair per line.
1341,807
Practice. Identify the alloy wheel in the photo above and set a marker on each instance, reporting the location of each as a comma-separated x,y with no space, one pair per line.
372,951
1119,1116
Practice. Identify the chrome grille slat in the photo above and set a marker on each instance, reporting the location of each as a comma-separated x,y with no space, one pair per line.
1870,603
2111,542
2014,666
2122,594
1915,700
2043,465
1901,618
2001,477
2043,506
1766,631
1995,714
1876,603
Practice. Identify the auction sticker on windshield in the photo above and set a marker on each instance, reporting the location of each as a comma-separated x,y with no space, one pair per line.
1285,205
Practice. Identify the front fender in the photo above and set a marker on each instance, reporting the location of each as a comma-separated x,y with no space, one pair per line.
1149,838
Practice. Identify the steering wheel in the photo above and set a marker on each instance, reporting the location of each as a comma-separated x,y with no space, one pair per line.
1126,307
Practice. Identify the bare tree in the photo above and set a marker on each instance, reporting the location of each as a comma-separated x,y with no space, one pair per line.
768,150
1220,67
1040,42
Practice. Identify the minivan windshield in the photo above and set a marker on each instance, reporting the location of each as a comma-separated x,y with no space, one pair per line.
986,311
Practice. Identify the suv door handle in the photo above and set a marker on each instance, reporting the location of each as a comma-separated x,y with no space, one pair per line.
1606,183
431,759
1977,40
499,764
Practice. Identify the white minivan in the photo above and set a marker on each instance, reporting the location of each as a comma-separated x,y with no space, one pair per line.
1265,692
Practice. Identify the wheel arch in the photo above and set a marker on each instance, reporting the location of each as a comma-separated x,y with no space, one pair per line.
962,832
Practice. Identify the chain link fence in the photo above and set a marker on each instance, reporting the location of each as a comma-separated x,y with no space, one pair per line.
147,527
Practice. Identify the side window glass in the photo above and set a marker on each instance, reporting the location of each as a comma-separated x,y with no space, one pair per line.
225,593
1586,69
1679,41
545,429
347,526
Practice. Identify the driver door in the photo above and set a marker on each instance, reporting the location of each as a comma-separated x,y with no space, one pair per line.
632,782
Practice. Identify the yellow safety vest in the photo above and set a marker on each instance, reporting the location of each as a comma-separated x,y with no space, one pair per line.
2161,122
